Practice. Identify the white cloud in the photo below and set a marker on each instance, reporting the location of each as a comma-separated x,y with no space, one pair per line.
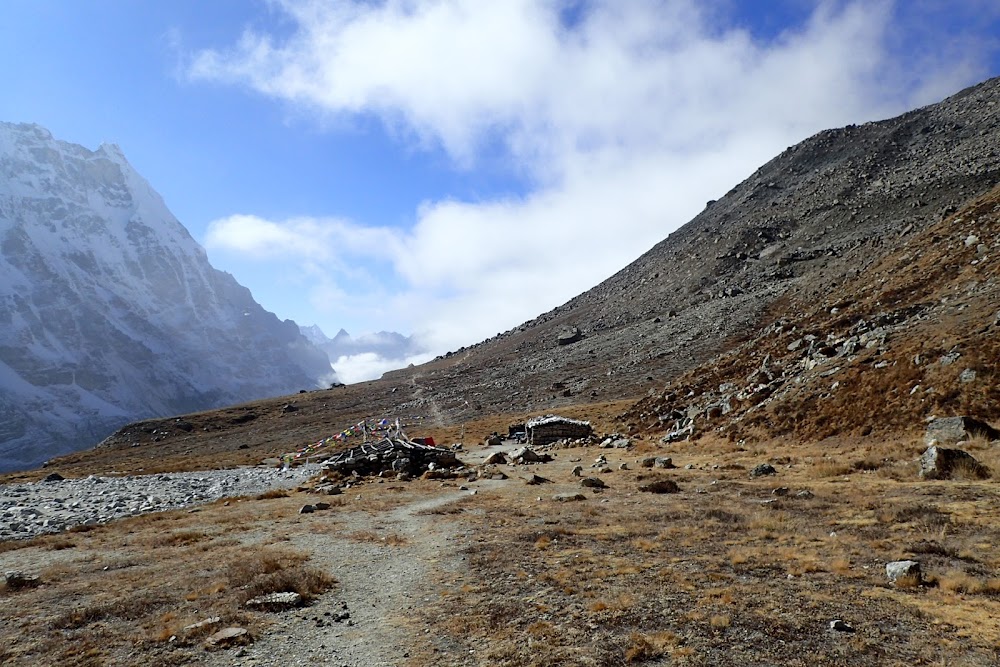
369,366
627,123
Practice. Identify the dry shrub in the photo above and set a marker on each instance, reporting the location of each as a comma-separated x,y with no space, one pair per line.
961,582
926,515
276,571
970,470
650,646
831,469
908,581
272,494
719,621
177,538
840,566
722,516
128,608
392,539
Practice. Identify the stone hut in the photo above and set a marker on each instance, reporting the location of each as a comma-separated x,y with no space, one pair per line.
548,429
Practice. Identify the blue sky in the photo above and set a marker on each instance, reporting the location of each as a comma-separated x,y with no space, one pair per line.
451,169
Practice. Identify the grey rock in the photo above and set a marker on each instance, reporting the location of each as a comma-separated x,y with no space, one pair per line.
568,497
496,458
593,483
838,625
943,463
900,569
208,622
762,470
17,580
664,462
307,509
950,430
275,601
228,637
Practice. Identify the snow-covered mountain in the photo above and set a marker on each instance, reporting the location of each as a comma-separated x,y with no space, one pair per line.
110,311
369,355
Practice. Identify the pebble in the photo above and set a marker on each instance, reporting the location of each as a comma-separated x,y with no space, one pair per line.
28,510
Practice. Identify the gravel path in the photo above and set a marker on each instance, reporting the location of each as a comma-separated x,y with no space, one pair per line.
378,584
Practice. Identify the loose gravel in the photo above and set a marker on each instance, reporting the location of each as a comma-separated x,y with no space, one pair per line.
28,510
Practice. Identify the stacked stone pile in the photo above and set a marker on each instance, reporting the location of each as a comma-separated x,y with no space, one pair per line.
397,455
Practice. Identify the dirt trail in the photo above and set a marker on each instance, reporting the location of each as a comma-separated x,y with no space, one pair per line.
386,564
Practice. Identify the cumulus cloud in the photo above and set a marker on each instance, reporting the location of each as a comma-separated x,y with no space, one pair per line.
626,118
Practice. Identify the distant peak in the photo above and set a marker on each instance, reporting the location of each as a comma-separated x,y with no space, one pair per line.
112,150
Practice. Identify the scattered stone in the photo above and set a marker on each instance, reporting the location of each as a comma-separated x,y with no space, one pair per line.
578,471
528,455
942,463
214,620
228,637
321,506
838,625
275,601
804,494
593,483
53,477
307,509
780,491
494,440
17,580
660,486
950,430
664,462
537,479
762,470
289,407
623,466
967,375
496,458
648,462
903,569
498,476
568,497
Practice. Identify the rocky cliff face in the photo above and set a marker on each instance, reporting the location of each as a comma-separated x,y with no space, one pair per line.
797,231
110,311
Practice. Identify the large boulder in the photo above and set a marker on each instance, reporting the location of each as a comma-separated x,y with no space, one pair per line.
949,430
943,463
903,571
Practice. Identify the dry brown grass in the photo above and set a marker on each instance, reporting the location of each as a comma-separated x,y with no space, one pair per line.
126,588
390,539
628,578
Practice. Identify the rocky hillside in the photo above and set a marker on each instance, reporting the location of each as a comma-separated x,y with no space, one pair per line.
800,230
110,311
916,334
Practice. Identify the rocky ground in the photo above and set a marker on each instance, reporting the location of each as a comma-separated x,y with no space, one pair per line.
54,504
628,553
